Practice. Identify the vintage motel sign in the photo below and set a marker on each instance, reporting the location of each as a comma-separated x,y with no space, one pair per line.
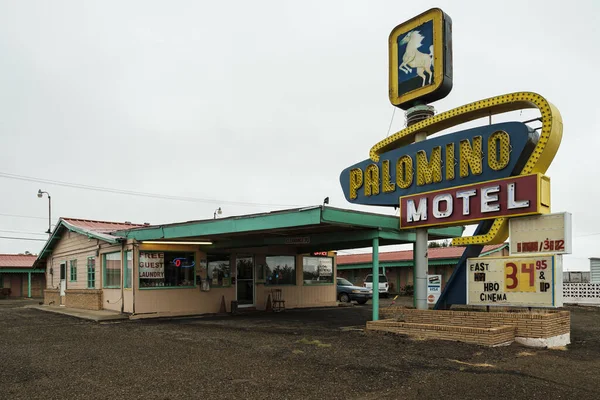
420,59
397,166
471,156
534,281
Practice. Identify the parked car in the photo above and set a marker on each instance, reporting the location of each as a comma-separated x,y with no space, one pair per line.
383,284
348,291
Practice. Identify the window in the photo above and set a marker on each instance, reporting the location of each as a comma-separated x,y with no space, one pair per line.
218,268
382,278
63,271
91,273
73,266
317,270
112,270
281,270
161,269
128,269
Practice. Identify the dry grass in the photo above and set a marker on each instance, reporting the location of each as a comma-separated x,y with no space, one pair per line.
315,342
559,348
525,354
480,365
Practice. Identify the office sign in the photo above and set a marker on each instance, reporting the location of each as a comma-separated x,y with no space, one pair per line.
515,281
152,265
541,234
515,196
434,288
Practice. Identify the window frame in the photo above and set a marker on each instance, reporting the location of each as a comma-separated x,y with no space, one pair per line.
73,270
127,272
333,275
104,285
140,287
209,280
266,282
91,272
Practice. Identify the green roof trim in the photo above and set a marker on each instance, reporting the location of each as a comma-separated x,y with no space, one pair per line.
296,218
57,234
487,253
248,223
398,264
21,270
410,263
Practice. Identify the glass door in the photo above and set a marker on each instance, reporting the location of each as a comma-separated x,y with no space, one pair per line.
245,281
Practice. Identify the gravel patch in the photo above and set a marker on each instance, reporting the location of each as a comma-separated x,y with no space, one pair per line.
304,354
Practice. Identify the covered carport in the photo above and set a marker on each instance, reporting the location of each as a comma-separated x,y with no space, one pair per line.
301,231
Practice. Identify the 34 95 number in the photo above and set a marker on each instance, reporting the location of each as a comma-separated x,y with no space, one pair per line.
520,276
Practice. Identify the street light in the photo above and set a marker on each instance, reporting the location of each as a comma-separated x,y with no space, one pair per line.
40,194
217,211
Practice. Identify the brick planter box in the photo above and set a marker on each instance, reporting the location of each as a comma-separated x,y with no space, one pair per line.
499,336
540,328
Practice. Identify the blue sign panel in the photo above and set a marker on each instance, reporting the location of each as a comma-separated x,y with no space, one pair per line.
475,155
416,56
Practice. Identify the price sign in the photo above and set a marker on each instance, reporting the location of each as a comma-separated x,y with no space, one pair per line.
515,281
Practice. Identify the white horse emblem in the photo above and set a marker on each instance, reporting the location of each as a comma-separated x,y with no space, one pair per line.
413,58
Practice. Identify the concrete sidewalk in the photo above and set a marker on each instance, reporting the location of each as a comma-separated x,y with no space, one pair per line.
90,315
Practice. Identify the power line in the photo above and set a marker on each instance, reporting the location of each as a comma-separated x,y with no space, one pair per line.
22,216
28,233
140,194
391,120
22,238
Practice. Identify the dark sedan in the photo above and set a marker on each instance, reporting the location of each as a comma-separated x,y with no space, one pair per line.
347,291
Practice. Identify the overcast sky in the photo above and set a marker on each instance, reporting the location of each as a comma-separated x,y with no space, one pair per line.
261,102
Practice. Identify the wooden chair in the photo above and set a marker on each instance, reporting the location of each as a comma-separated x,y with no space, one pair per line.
277,301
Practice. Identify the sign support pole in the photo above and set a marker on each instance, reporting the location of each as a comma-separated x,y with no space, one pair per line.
421,258
376,279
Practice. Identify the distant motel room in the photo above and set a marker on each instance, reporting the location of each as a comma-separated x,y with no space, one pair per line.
397,266
209,266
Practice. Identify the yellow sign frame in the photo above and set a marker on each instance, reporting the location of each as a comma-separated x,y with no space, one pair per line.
437,16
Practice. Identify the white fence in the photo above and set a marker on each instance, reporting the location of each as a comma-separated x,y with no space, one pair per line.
576,276
581,293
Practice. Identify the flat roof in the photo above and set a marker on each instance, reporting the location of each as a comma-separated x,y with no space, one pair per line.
314,228
404,258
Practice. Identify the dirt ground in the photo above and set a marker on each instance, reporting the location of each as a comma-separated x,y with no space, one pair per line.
304,354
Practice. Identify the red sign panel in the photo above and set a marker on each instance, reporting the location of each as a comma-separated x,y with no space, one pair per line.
509,197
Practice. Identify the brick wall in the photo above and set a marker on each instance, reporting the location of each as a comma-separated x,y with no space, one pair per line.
483,336
51,297
88,299
536,324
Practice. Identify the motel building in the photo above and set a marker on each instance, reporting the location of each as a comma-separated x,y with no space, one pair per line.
208,266
398,266
18,278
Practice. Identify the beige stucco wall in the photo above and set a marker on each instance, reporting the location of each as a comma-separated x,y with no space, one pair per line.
195,301
174,301
72,246
298,295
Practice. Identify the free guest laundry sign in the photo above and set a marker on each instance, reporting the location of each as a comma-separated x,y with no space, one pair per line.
152,265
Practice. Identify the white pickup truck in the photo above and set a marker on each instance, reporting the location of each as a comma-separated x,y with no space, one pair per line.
383,284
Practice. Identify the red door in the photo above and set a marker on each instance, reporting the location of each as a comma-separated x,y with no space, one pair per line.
16,285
